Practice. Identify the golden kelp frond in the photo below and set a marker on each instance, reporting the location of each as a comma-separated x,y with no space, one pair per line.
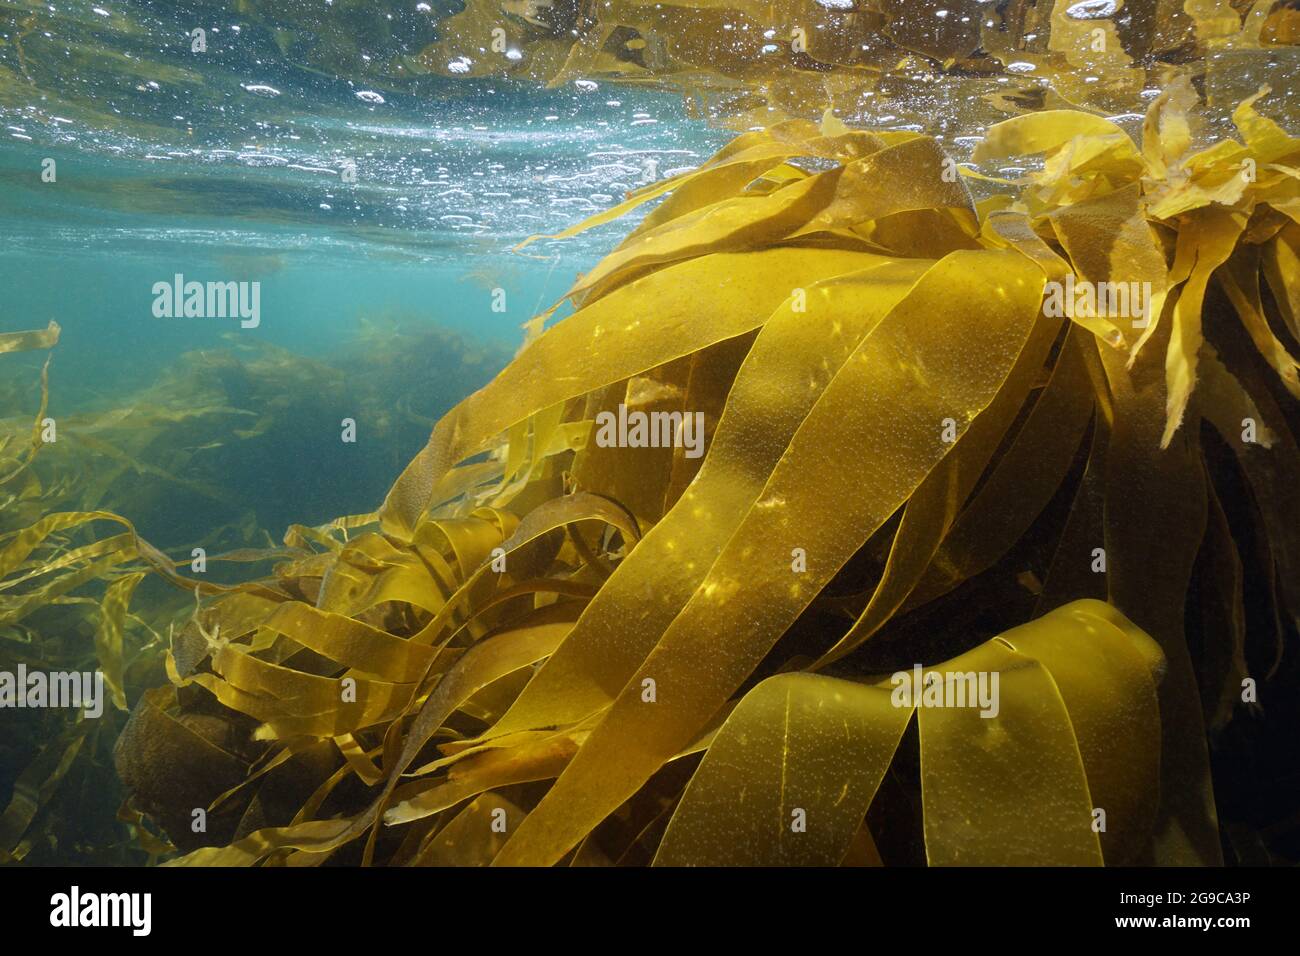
822,418
454,627
1076,703
1116,208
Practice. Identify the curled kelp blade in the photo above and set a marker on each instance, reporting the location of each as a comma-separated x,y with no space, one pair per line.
793,356
1070,727
1106,670
1020,798
294,704
789,777
802,507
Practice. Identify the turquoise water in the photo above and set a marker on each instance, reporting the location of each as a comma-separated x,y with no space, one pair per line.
426,228
402,285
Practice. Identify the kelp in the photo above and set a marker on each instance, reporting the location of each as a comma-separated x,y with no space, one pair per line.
44,338
39,571
85,587
822,745
542,649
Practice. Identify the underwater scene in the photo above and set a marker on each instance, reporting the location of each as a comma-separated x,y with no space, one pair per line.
615,433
